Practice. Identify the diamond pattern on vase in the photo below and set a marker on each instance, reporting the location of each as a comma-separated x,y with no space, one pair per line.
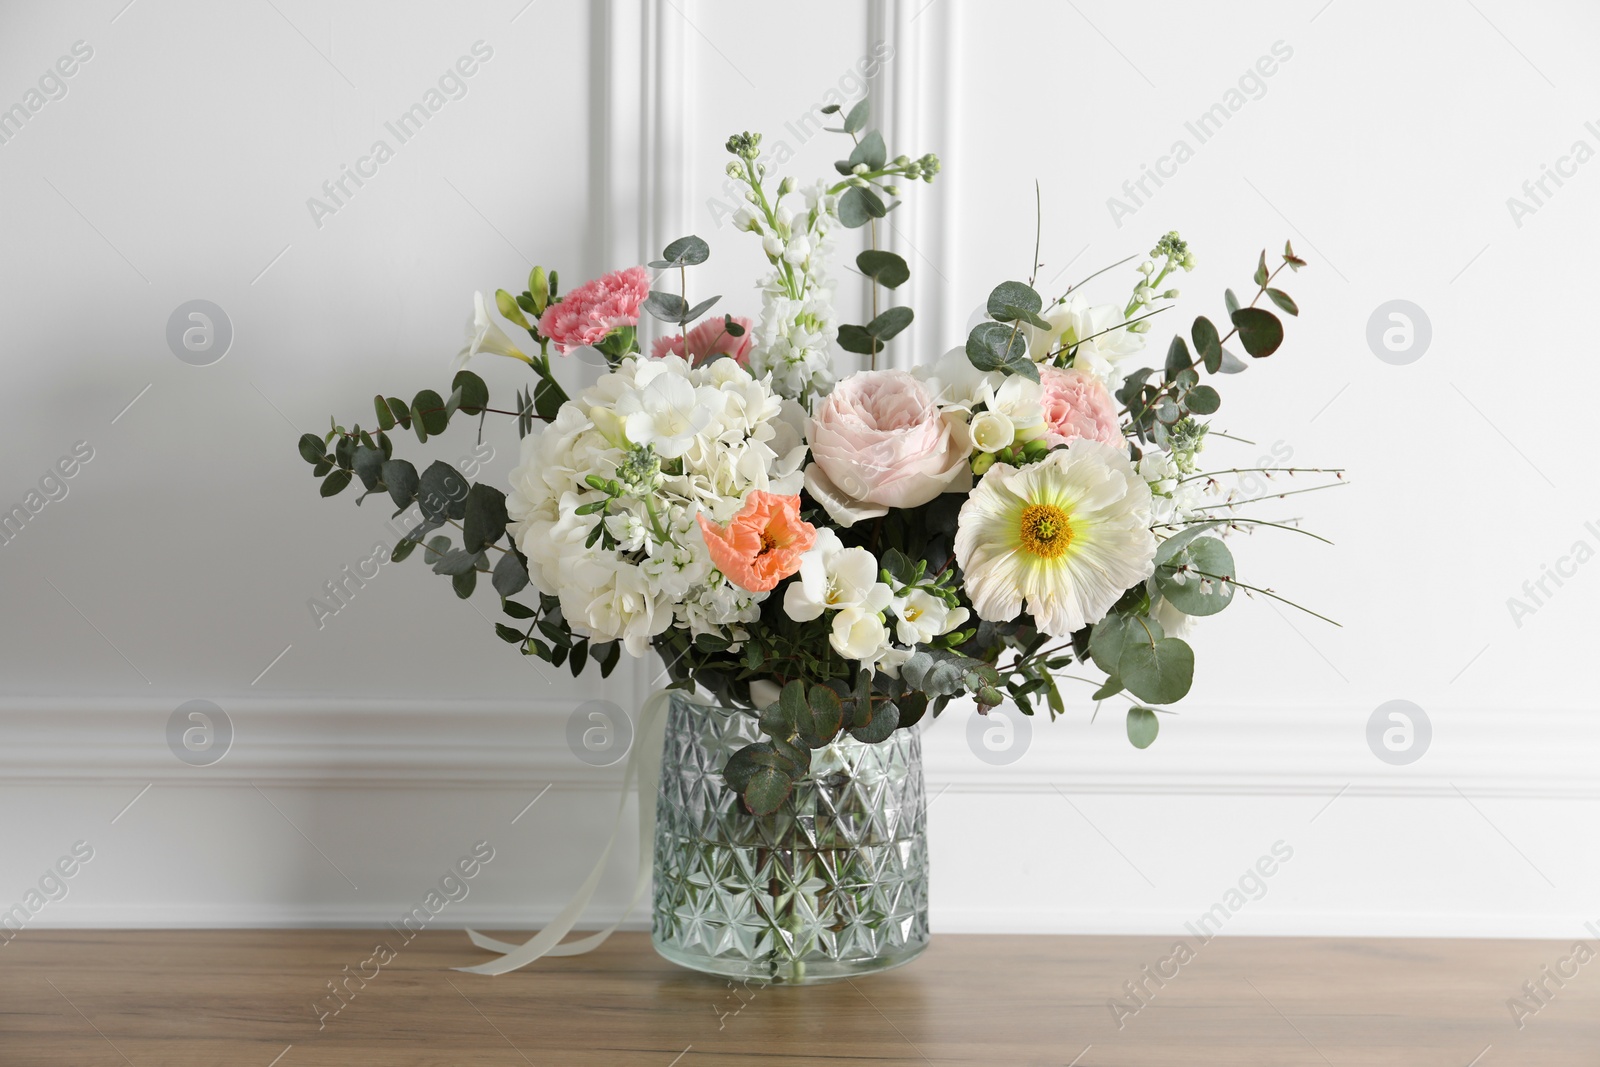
833,883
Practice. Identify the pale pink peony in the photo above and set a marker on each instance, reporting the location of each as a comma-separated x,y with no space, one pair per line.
710,338
1076,405
594,309
879,441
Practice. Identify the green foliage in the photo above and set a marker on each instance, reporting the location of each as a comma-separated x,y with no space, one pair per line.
1142,726
885,268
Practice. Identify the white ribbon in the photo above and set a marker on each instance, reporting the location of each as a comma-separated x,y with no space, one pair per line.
644,772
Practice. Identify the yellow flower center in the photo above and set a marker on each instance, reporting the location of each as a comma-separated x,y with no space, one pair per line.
1045,530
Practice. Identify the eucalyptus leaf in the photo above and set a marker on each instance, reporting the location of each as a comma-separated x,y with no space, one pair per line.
885,268
1209,556
1013,295
766,790
1160,673
1259,331
1143,725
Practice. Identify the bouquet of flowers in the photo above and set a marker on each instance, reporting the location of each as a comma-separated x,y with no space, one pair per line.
840,554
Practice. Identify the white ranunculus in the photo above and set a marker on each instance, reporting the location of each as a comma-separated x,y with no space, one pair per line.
485,335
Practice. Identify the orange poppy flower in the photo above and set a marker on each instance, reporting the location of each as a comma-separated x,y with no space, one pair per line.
763,544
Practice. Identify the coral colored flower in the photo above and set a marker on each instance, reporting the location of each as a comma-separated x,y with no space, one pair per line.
710,338
763,544
1076,405
595,308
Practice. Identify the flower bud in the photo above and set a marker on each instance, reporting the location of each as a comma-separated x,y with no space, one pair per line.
508,308
538,289
786,186
982,462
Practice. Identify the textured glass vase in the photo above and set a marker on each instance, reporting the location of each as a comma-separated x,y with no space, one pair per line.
833,884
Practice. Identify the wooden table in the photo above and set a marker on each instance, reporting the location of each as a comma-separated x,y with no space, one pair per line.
249,997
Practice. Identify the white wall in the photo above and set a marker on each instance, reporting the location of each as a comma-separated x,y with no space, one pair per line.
378,748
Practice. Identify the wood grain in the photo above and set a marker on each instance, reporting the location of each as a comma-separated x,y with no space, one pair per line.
246,997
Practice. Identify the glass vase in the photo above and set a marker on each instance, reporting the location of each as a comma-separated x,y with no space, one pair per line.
832,885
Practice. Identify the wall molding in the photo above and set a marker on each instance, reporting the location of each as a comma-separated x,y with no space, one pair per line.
495,745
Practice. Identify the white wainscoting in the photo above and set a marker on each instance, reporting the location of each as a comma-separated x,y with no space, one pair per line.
383,744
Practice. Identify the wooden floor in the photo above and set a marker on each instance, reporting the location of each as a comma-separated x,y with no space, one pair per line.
87,998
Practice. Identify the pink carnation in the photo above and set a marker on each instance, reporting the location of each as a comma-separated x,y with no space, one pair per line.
595,308
710,338
1076,405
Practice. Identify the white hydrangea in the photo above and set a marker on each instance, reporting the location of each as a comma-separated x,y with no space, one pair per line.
718,434
794,336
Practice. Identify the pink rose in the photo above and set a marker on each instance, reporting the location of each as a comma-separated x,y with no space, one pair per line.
879,441
710,338
1076,405
592,310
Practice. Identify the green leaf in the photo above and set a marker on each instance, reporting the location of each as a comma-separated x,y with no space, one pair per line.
311,448
859,206
485,517
669,307
1284,301
1160,673
766,791
517,610
870,150
1202,400
509,634
442,492
368,466
885,268
1231,364
684,252
885,717
1009,297
607,657
855,120
1206,554
1232,301
548,398
1178,359
1259,331
996,346
858,339
335,482
401,478
1208,343
456,561
385,416
401,413
427,414
1261,270
1112,686
793,700
474,394
464,583
1112,635
775,720
509,576
1142,726
701,308
827,713
890,323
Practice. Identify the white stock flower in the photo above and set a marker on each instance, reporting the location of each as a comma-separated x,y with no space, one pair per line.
485,335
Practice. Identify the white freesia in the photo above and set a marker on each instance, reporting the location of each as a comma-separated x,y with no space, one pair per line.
924,616
833,577
858,633
991,431
667,414
485,335
1106,347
